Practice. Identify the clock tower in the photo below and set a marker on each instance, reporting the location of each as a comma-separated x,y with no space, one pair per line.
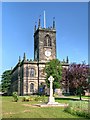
44,43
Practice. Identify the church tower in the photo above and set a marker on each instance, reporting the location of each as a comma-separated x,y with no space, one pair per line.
44,42
28,76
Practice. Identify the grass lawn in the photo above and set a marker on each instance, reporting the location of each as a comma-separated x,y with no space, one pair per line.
21,109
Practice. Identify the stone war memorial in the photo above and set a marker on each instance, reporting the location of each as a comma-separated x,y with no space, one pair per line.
51,100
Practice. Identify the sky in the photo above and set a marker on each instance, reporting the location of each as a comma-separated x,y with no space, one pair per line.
18,20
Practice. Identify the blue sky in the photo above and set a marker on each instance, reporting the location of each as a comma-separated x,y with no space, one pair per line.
18,20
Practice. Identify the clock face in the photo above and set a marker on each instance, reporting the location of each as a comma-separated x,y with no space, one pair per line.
47,53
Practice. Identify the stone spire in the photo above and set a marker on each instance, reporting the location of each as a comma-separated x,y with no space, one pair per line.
53,22
19,59
39,23
24,57
67,60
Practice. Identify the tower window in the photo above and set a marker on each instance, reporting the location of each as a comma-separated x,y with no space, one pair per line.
32,72
31,87
47,41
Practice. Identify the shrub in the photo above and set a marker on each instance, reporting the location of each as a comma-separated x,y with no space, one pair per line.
34,98
27,98
23,99
37,98
15,96
31,98
43,98
79,108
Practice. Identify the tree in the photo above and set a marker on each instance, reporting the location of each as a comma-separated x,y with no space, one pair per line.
54,68
6,81
77,77
65,81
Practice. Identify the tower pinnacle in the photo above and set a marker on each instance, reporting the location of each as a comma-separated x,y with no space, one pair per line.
19,59
54,22
39,21
67,60
24,57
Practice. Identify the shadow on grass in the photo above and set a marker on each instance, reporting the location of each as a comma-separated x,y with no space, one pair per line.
74,99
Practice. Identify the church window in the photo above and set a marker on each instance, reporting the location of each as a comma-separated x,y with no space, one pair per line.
47,41
31,87
32,72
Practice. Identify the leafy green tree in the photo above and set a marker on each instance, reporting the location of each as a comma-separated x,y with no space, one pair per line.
54,68
6,81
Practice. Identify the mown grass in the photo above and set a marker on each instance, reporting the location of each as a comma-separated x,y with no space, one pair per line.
21,109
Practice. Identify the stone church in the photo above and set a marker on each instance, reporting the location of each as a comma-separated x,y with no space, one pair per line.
28,75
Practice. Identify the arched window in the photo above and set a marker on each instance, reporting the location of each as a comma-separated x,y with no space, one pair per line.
31,87
47,41
32,72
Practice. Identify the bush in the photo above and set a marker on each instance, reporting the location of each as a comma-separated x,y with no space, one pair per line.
15,96
31,98
27,98
34,98
43,98
37,98
23,99
79,108
40,98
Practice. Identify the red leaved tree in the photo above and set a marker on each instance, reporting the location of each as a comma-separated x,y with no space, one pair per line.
76,77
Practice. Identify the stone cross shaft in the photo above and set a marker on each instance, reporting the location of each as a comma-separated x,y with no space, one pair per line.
51,79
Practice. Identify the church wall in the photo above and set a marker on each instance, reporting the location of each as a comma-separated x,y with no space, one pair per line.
41,73
28,79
